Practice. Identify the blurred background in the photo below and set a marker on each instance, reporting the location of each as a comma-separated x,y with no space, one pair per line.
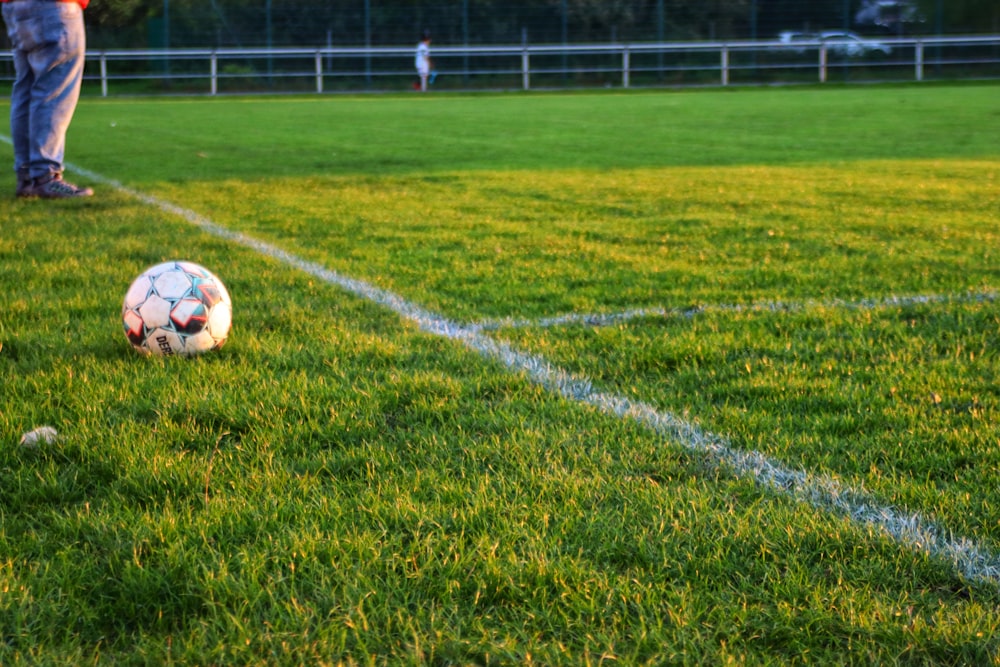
335,23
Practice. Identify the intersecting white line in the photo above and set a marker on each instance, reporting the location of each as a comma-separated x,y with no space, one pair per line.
613,318
968,557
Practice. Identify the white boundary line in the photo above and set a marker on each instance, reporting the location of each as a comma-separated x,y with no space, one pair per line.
969,559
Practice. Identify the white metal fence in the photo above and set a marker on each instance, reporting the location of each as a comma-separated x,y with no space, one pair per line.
328,69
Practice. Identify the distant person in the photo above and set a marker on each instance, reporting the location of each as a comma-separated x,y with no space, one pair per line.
423,60
49,44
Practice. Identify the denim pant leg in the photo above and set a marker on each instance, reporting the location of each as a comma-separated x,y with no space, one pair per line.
49,43
20,111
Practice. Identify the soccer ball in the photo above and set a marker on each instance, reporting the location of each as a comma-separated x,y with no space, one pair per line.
177,308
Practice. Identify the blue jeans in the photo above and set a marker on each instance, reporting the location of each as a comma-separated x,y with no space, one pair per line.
49,42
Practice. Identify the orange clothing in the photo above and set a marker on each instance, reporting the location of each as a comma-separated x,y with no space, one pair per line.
83,3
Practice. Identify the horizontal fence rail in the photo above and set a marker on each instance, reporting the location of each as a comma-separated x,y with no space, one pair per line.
328,69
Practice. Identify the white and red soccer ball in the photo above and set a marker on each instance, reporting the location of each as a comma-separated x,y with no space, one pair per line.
177,308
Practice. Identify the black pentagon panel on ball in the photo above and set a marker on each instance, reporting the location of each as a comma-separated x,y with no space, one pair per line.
189,316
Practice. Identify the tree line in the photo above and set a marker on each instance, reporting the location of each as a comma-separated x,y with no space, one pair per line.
201,23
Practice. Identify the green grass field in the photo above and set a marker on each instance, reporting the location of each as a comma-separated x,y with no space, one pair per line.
394,473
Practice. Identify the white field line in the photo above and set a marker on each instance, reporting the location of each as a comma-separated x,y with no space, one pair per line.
613,318
969,559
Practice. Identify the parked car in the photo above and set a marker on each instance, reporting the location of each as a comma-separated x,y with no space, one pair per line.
795,40
851,45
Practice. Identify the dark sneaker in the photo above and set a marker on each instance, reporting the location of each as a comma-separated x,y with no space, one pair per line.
57,188
25,188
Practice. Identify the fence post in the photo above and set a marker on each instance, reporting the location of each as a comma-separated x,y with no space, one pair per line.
918,59
319,71
626,65
725,65
104,74
214,72
525,65
822,63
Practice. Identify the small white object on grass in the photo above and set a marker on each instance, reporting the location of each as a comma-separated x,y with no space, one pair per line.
41,435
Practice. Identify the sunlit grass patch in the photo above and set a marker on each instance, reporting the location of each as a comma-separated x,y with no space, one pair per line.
337,485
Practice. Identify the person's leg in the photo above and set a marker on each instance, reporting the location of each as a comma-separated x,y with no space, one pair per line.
56,61
20,103
20,124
